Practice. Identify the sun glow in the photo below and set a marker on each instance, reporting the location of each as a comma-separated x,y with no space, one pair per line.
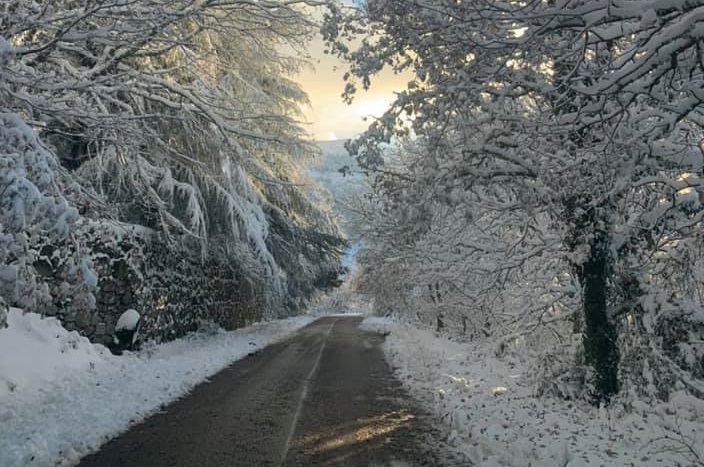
371,106
359,431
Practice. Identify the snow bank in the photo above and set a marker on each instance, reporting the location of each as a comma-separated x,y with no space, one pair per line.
489,407
36,351
61,397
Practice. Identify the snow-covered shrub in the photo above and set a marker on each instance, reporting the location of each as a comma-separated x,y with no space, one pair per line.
561,371
661,349
35,212
680,335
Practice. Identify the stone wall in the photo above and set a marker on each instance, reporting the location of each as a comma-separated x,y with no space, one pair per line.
171,287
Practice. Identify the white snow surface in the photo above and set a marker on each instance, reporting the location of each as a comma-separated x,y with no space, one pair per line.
127,320
5,47
61,397
493,416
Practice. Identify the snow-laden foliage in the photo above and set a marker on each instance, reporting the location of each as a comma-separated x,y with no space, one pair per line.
177,116
556,159
34,210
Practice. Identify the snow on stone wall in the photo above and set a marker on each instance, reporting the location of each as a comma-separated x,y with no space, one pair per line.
169,285
86,272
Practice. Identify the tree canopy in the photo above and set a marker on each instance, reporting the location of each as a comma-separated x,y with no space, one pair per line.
553,175
178,116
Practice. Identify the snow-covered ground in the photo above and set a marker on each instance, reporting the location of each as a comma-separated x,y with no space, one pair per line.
489,406
62,397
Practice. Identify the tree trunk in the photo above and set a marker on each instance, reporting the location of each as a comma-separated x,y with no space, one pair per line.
600,347
600,335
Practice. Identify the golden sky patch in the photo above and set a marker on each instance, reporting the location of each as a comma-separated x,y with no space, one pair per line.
329,117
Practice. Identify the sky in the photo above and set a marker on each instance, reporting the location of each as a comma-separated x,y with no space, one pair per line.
330,118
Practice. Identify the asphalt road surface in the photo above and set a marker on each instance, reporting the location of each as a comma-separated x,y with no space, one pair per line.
324,397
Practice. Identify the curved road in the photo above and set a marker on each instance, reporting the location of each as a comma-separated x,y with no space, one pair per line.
324,397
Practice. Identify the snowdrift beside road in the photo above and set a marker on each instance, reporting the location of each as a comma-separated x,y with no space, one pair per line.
61,397
489,406
36,351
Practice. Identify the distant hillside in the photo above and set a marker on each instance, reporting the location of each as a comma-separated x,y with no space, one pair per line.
343,191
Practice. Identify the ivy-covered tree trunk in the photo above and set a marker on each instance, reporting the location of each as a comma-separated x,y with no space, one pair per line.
600,347
593,273
589,231
3,313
